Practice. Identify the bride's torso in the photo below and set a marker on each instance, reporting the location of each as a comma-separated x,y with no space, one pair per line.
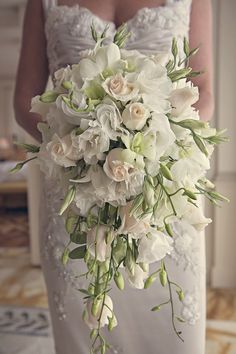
152,29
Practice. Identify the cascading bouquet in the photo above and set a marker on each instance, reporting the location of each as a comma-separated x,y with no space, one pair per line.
130,153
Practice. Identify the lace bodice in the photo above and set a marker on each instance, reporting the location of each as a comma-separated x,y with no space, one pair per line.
152,29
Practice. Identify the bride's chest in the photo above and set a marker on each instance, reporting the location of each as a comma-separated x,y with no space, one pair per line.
68,30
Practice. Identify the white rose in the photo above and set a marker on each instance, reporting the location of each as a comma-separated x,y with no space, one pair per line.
109,118
118,87
62,152
92,321
131,225
183,98
93,142
121,164
154,246
138,277
135,116
103,246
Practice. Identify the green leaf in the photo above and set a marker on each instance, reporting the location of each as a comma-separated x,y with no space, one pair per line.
29,147
179,74
192,124
78,237
78,252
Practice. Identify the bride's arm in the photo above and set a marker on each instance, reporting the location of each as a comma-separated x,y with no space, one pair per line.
201,35
32,73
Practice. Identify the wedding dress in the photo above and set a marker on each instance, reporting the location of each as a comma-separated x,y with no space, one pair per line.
139,330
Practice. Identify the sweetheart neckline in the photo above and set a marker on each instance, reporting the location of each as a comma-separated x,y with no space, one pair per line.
133,18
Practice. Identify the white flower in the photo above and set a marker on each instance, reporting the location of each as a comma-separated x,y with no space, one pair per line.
47,166
61,75
107,312
37,106
138,277
131,225
73,108
135,116
191,167
159,128
120,164
85,198
154,246
62,152
195,217
153,84
98,243
57,121
183,98
105,58
161,58
118,87
92,143
109,118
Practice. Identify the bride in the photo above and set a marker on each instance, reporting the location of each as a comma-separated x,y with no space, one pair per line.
55,34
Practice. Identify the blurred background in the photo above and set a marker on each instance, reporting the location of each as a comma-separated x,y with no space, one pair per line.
23,300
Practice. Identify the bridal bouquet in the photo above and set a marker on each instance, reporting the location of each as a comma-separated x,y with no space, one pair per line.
123,140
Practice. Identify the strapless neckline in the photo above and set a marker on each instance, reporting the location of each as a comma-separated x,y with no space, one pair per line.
137,14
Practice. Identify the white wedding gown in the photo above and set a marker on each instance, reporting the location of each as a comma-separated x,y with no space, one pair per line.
139,331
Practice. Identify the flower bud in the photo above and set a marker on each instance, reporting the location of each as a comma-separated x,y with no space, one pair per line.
163,277
119,280
67,85
65,256
95,307
112,323
150,280
93,333
49,97
156,308
190,194
180,295
68,199
166,172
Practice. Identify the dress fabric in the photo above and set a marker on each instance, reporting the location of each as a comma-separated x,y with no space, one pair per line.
139,330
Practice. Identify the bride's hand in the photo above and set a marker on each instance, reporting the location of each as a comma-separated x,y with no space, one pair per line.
32,72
